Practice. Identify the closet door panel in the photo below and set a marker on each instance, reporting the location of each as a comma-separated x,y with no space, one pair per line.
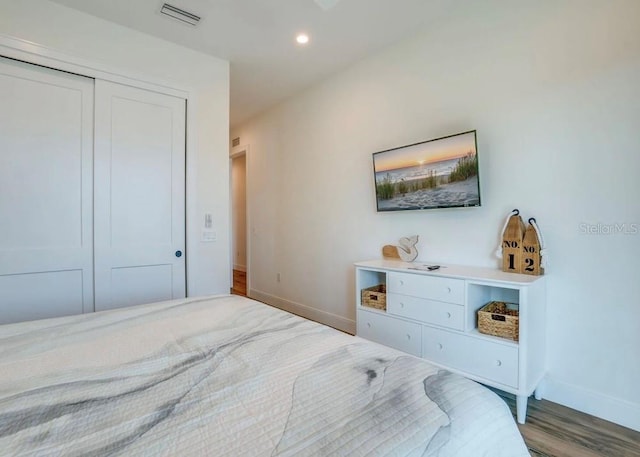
30,296
132,284
139,196
46,162
141,173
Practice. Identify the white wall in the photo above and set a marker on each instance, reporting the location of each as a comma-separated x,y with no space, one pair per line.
120,50
552,88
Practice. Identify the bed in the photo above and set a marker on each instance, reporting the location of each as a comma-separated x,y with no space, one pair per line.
229,376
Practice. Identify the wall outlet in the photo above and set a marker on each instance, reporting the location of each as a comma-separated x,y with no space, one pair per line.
209,237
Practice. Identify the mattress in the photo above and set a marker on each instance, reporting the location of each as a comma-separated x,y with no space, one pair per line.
229,376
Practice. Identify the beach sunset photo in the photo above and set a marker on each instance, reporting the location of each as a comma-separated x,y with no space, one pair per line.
441,173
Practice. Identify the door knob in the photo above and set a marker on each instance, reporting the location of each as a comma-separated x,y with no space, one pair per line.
178,253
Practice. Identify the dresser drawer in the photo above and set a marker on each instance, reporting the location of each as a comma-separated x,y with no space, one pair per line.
427,311
489,360
390,331
429,287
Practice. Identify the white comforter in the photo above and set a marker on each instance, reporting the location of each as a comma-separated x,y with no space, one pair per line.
228,376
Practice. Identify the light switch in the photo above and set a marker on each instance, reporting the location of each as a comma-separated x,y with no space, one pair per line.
208,220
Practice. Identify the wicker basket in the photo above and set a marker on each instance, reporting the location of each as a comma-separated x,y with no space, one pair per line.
375,297
499,318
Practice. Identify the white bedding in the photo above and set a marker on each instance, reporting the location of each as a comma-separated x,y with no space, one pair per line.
228,376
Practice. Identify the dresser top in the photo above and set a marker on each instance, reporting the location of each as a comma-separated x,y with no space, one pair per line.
451,271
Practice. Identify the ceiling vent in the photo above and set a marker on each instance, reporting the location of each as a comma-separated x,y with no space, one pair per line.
326,5
181,15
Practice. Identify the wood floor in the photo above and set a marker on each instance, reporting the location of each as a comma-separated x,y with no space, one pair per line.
239,283
553,430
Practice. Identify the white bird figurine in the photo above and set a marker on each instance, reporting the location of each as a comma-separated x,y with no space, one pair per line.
407,249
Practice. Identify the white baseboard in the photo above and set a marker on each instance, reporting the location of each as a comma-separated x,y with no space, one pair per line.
332,320
613,409
240,267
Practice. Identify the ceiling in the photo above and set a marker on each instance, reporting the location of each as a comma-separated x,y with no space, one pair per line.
258,37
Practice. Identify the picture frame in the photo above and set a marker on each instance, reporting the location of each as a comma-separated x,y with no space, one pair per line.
438,173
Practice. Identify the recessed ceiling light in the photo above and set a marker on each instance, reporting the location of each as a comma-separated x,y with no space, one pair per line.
326,4
302,38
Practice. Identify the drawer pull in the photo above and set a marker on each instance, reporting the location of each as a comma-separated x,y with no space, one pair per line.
408,336
448,315
401,305
401,282
498,363
448,290
439,345
368,324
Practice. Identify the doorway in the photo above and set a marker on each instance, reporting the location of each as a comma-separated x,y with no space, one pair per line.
239,220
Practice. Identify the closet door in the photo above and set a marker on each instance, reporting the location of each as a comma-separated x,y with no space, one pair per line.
46,234
139,221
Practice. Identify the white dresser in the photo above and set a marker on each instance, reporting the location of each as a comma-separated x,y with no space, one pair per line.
433,315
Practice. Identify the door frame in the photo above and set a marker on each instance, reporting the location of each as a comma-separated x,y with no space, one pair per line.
26,51
239,151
